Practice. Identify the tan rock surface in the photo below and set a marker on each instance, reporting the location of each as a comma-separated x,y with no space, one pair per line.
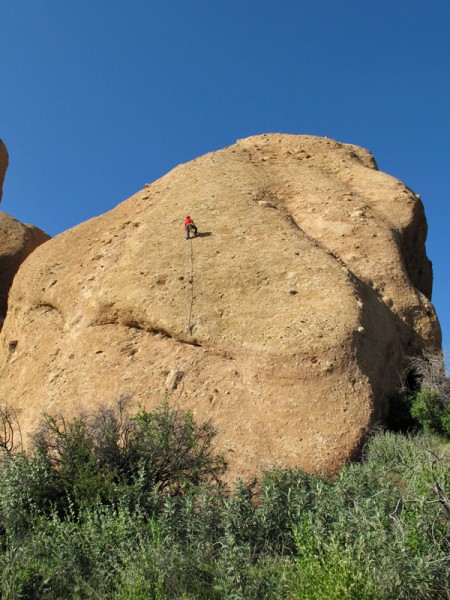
17,241
286,321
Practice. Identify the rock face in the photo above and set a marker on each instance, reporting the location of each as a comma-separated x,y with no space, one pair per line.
286,321
3,165
17,241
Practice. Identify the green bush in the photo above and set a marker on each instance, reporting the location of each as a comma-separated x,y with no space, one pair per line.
431,412
98,554
113,507
426,401
110,455
326,568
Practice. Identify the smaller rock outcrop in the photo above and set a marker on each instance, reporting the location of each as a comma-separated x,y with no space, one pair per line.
17,241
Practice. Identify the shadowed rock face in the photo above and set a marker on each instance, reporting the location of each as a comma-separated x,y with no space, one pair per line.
286,321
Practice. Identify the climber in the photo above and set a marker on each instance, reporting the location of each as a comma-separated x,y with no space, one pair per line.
189,226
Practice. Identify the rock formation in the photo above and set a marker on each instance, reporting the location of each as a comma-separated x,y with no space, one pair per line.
3,165
17,241
287,321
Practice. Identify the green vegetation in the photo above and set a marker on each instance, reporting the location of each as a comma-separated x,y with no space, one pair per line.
426,404
109,506
430,403
430,412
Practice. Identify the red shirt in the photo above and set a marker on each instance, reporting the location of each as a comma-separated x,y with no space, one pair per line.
187,221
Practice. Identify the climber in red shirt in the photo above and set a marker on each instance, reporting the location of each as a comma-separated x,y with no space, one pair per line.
189,226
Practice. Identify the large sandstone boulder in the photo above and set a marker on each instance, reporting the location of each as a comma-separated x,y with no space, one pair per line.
286,321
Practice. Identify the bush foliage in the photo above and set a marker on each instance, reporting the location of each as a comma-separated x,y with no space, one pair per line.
431,412
113,506
425,404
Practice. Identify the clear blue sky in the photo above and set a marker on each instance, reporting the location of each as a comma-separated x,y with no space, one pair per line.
99,97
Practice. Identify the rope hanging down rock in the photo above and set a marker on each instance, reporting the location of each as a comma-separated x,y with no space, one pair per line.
190,326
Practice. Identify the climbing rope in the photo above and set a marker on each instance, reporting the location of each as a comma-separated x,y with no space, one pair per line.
190,326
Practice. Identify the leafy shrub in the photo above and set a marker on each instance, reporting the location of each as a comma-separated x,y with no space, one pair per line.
326,568
431,412
379,529
26,489
110,455
98,554
425,403
143,522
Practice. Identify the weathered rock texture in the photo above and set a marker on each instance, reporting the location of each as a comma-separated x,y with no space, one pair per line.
17,241
305,290
3,165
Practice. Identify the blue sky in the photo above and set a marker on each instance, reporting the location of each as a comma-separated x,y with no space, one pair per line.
99,97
